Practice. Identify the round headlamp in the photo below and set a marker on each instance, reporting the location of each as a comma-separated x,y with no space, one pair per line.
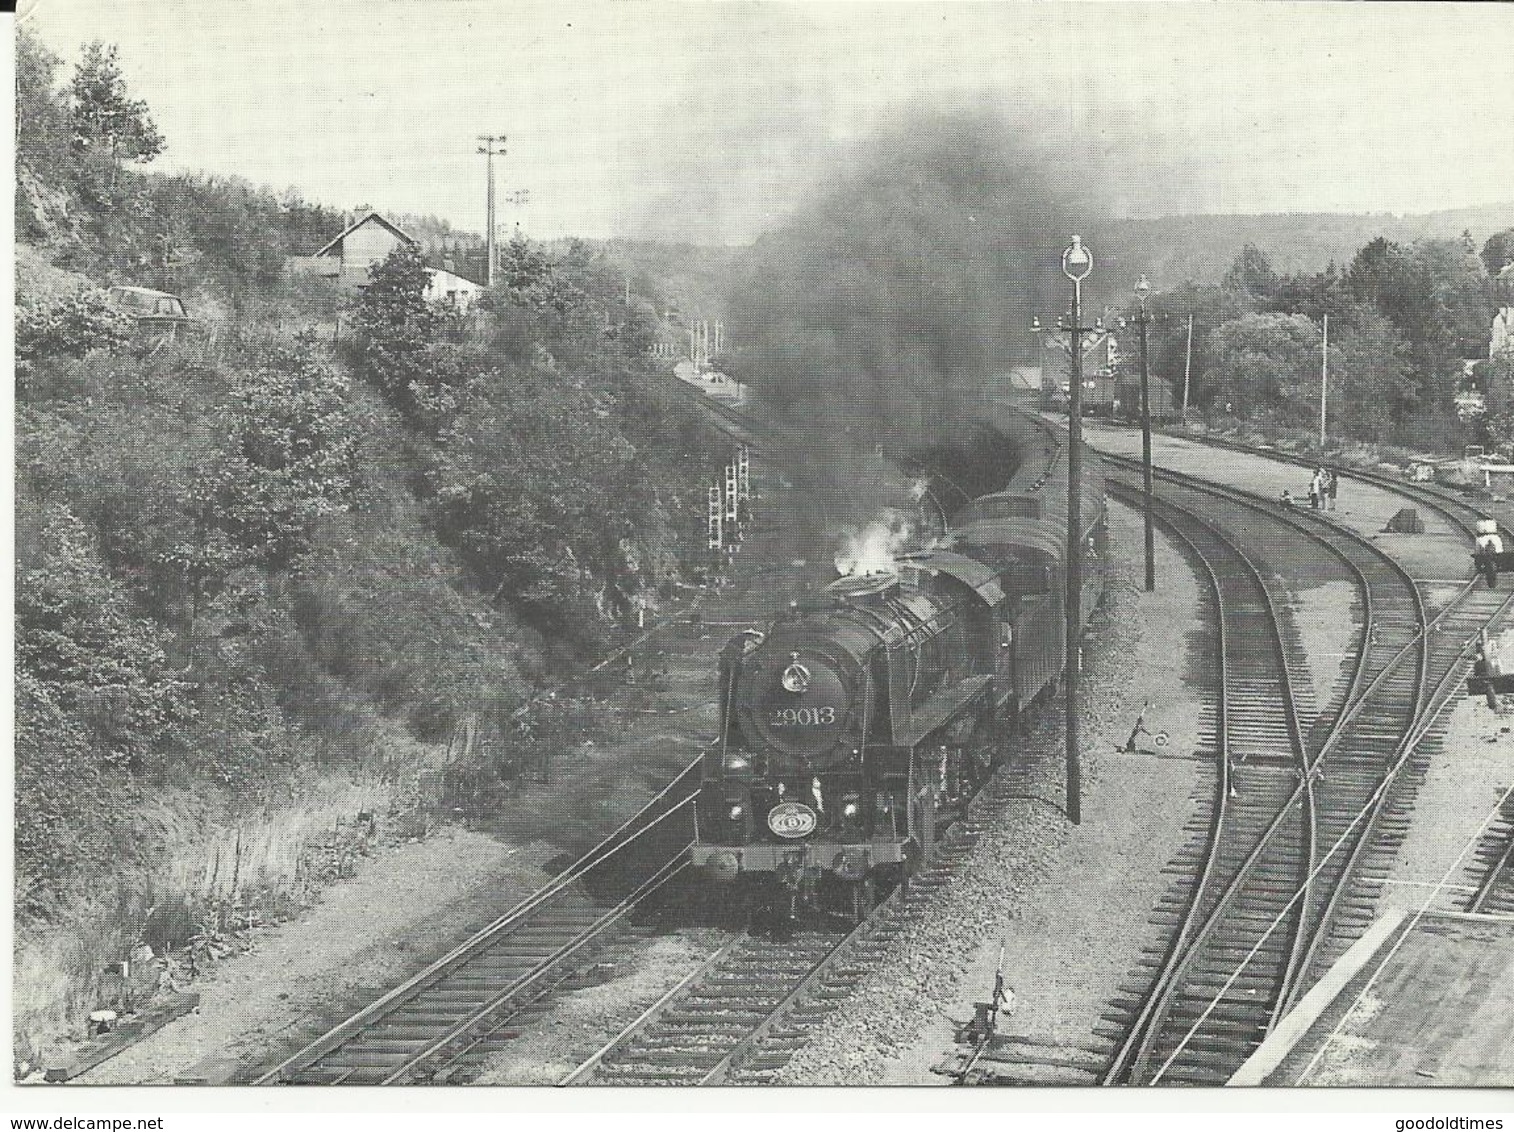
796,678
736,811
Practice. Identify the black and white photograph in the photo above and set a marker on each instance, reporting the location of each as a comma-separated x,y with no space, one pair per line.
755,545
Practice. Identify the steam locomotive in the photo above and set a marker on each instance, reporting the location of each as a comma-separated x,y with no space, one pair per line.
859,724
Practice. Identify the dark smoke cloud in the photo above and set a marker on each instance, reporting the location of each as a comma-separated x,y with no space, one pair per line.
905,284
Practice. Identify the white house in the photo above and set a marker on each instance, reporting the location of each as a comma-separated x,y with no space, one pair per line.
348,258
449,287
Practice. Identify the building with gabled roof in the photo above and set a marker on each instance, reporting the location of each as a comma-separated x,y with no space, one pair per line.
348,259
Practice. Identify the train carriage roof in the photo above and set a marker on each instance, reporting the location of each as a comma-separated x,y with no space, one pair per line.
1031,511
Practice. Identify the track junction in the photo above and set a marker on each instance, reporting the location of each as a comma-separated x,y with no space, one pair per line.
1301,814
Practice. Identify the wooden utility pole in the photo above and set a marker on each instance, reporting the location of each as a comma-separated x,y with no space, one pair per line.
490,140
1324,376
1143,288
1187,366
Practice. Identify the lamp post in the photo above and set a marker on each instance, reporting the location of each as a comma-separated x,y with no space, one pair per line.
1143,289
1077,262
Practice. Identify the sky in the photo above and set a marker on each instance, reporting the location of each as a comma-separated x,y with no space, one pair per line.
706,121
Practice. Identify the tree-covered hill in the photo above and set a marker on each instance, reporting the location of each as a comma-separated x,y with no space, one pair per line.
265,568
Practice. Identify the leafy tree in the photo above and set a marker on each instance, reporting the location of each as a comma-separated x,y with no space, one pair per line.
109,125
1498,251
59,796
1371,384
292,457
525,492
42,120
1210,306
1434,291
401,342
1251,274
1267,363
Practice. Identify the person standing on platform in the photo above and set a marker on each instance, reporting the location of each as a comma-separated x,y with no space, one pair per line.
1332,487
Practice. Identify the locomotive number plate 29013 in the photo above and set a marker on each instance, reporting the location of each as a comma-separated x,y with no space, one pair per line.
791,819
803,717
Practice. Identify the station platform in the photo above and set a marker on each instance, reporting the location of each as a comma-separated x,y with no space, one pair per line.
1423,999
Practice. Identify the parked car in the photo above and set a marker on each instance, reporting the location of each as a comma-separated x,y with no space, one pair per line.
155,312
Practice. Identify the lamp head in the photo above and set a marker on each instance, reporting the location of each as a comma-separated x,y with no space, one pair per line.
1077,261
1142,289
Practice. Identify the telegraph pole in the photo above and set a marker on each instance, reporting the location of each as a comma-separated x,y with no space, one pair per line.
1077,262
1187,365
1324,376
518,199
1142,289
490,140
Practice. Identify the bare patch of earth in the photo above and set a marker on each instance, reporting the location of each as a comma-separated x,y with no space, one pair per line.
1326,618
1440,552
405,910
581,1022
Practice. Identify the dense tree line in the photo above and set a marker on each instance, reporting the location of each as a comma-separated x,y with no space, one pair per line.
80,191
1402,320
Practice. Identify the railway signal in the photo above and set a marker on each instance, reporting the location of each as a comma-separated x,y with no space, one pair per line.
714,520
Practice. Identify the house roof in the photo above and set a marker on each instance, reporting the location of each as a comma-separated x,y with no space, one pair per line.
440,272
395,228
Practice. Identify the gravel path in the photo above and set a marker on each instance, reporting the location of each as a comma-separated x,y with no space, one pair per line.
1363,508
1467,775
1068,905
411,905
1327,618
582,1021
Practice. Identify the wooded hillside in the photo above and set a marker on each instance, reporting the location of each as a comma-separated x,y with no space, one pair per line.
265,568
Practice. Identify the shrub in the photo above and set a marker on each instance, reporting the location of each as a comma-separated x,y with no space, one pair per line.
70,327
77,637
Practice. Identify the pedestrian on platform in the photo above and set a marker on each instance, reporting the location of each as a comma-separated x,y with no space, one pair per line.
1314,492
1332,487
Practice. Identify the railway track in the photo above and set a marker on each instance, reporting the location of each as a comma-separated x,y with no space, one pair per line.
1495,862
1234,971
1283,869
740,1018
440,1024
1261,821
1455,506
737,1018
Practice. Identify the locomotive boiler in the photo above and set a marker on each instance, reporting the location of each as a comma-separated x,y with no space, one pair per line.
858,725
